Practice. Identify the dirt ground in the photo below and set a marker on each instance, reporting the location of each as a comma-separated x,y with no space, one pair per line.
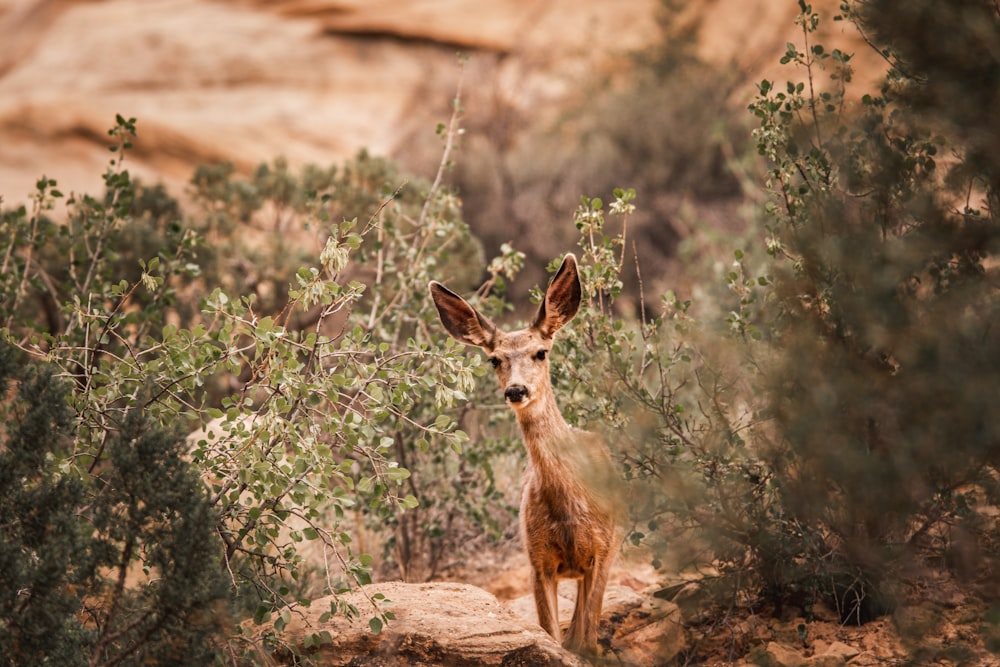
941,620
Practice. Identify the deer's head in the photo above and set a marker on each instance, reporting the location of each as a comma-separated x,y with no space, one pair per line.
521,358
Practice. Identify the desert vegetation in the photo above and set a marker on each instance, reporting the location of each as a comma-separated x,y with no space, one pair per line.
806,422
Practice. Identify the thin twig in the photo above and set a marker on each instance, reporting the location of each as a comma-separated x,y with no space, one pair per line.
449,144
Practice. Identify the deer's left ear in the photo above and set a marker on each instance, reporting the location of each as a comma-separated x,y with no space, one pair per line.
562,299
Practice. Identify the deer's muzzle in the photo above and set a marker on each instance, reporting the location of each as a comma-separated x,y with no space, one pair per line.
515,393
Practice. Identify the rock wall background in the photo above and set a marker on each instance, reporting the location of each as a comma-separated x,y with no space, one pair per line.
554,102
247,81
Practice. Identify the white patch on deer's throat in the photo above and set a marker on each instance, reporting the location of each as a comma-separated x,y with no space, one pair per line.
520,404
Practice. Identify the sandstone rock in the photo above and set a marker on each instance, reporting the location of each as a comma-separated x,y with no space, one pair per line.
316,80
249,80
839,649
835,654
781,655
435,624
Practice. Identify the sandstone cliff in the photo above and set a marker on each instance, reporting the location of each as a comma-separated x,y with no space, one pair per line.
313,80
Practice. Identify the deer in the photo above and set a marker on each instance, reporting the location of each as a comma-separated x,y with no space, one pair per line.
566,518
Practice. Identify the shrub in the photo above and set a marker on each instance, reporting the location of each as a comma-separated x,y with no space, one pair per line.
71,589
332,400
881,229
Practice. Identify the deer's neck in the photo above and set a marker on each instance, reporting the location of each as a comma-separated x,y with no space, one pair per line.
544,430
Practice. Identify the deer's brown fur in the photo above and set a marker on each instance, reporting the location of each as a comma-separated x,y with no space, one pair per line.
566,517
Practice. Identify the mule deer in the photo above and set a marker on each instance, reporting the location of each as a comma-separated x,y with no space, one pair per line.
566,520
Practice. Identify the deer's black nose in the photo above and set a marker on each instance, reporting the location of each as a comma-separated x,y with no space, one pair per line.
515,393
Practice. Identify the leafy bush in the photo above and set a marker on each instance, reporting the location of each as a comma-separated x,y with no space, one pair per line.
326,399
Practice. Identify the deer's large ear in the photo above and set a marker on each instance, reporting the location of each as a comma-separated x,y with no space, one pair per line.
562,299
464,323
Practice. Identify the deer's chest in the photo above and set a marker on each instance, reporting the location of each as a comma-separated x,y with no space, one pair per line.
563,528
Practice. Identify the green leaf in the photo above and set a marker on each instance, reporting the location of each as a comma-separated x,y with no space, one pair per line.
397,474
262,614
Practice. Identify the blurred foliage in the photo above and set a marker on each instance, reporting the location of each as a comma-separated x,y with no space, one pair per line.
833,434
661,121
883,231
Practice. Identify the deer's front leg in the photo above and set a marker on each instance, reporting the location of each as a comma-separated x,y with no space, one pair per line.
544,587
577,638
582,635
595,601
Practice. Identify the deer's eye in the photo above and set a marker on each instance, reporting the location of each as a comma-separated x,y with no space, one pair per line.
540,355
495,362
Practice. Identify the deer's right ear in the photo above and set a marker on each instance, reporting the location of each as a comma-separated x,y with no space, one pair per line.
464,323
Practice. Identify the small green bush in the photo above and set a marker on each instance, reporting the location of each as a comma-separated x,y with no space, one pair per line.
105,568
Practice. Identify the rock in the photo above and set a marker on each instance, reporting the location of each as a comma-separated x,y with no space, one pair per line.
840,649
435,624
692,597
315,80
826,660
780,655
777,654
636,629
248,80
